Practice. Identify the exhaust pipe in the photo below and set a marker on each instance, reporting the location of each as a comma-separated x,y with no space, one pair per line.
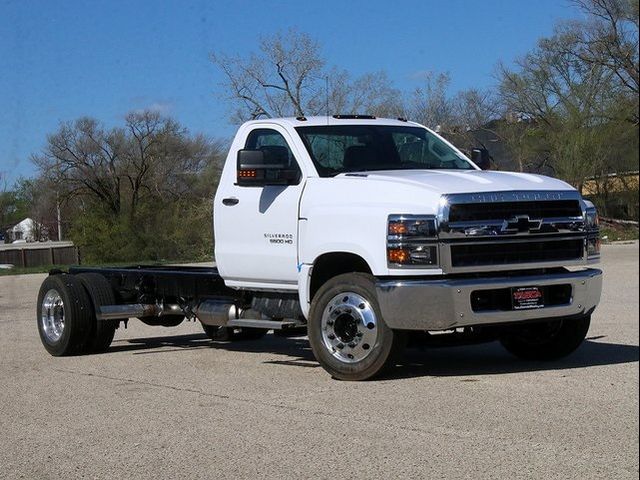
209,312
136,310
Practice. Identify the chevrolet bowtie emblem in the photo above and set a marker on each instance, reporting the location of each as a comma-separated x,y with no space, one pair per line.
520,224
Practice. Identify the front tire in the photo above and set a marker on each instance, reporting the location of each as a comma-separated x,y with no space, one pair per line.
347,333
547,340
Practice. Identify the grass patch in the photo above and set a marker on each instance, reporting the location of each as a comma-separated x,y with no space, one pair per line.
611,232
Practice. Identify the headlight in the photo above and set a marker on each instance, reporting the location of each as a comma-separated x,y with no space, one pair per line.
412,241
592,224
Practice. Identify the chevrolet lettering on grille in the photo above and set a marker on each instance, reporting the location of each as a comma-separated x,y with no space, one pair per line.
511,230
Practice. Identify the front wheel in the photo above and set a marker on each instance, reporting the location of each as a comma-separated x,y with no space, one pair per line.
547,340
347,333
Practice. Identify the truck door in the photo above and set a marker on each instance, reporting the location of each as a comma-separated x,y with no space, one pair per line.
256,227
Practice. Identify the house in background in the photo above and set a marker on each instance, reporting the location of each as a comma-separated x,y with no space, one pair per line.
28,230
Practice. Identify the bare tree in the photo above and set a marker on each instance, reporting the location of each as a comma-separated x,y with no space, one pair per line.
288,77
372,93
474,109
607,39
283,79
85,158
430,104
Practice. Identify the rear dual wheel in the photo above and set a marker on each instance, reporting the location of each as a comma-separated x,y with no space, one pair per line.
100,293
66,314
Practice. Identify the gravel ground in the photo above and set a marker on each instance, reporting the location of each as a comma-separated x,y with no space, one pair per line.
168,403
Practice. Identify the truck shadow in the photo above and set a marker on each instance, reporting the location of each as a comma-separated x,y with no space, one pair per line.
492,359
460,361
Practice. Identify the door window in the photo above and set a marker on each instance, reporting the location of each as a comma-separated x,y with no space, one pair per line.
275,147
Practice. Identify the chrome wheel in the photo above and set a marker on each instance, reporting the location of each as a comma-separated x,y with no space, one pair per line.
52,317
349,327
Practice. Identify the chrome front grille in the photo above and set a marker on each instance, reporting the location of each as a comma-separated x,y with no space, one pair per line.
544,209
509,253
508,230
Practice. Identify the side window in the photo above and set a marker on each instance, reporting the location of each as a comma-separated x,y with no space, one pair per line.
275,147
330,149
413,149
426,151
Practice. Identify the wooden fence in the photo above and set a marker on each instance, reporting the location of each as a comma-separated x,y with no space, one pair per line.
39,254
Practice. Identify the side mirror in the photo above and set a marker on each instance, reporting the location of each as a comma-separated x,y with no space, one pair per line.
481,157
255,169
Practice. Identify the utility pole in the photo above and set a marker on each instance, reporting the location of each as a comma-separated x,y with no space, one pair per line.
59,218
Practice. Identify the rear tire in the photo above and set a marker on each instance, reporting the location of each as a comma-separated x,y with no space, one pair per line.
347,333
64,315
100,293
547,340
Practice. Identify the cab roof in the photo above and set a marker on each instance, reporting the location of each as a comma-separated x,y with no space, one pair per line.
316,121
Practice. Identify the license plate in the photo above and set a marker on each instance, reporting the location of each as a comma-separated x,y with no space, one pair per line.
525,298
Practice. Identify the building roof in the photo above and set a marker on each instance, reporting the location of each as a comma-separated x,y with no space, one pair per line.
27,223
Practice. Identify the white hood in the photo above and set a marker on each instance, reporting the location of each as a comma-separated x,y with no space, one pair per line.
414,191
468,181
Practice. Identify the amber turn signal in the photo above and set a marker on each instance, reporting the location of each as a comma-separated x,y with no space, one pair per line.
246,173
398,228
398,255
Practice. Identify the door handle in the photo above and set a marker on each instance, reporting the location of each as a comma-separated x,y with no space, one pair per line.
230,202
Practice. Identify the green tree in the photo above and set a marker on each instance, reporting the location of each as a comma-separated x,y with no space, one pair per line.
607,38
127,190
565,105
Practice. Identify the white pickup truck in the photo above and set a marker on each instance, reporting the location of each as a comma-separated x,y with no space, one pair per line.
364,231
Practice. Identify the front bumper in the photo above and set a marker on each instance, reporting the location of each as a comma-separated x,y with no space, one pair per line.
443,304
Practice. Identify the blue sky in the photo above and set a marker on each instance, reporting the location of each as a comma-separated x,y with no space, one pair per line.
62,60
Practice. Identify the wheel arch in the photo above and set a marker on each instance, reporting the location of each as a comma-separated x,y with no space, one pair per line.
332,264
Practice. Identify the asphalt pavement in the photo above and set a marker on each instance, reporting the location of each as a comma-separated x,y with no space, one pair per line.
169,403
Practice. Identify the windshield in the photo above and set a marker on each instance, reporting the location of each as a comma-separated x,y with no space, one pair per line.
360,148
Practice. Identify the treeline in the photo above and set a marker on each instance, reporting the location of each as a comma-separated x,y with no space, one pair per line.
143,190
569,108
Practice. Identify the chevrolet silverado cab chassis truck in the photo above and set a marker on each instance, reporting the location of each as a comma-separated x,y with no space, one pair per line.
364,231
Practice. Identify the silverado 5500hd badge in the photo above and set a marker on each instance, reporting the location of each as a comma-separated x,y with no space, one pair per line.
279,238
